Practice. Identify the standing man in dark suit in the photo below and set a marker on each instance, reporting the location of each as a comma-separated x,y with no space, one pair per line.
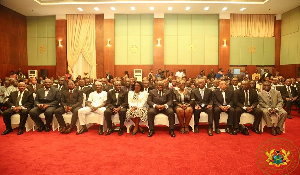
160,100
71,101
223,102
21,102
246,100
62,85
203,103
289,95
34,86
117,102
46,101
211,74
108,76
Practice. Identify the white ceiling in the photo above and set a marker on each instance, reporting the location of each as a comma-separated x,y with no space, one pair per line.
62,7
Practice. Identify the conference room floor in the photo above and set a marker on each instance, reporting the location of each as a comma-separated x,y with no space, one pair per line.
90,153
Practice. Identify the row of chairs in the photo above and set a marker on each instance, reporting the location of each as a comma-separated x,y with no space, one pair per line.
160,119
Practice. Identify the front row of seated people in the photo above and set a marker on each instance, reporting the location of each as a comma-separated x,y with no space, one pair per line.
138,105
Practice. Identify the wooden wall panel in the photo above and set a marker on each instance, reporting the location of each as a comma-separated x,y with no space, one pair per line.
289,70
13,42
120,69
99,22
277,34
192,71
224,51
109,51
61,51
158,33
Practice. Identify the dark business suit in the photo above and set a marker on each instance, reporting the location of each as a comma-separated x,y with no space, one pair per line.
52,99
232,88
148,89
219,101
284,93
27,102
61,87
75,102
33,90
155,99
203,102
239,100
112,102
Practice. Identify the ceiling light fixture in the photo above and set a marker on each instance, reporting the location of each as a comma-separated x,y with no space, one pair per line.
96,8
132,8
80,9
170,8
242,9
206,8
151,8
187,8
224,9
113,8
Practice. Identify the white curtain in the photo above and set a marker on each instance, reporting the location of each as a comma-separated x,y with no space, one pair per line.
81,41
81,66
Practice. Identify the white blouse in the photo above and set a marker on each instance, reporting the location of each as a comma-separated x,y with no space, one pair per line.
138,102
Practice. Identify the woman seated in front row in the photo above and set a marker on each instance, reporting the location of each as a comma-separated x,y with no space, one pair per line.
137,106
182,105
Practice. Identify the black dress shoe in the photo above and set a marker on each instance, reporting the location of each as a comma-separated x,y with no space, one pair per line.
101,130
234,132
171,132
245,131
82,130
278,131
69,130
20,132
47,129
228,130
256,131
289,116
141,130
217,131
151,133
63,130
196,129
273,131
210,131
120,132
7,131
41,128
133,133
108,132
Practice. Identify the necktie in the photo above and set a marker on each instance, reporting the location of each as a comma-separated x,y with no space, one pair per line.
71,92
202,93
160,93
18,100
289,91
224,96
246,99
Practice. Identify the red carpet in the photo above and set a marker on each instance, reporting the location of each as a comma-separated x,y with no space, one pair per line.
90,153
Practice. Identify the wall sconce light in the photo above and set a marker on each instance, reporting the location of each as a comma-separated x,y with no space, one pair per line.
224,42
158,42
108,43
59,43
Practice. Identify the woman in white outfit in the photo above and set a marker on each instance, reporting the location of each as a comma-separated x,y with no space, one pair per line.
137,106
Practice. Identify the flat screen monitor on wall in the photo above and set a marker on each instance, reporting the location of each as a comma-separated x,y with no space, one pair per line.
236,71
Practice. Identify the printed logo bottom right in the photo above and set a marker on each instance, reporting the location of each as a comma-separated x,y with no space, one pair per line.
277,156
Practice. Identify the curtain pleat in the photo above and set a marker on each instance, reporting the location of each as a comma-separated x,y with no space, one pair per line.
251,25
81,39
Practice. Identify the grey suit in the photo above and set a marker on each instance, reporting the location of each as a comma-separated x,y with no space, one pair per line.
275,103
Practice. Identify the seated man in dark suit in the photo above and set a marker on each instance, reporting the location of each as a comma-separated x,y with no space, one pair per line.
147,88
62,85
21,102
246,100
289,95
234,84
46,101
71,101
270,101
117,102
223,102
34,86
160,100
203,102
